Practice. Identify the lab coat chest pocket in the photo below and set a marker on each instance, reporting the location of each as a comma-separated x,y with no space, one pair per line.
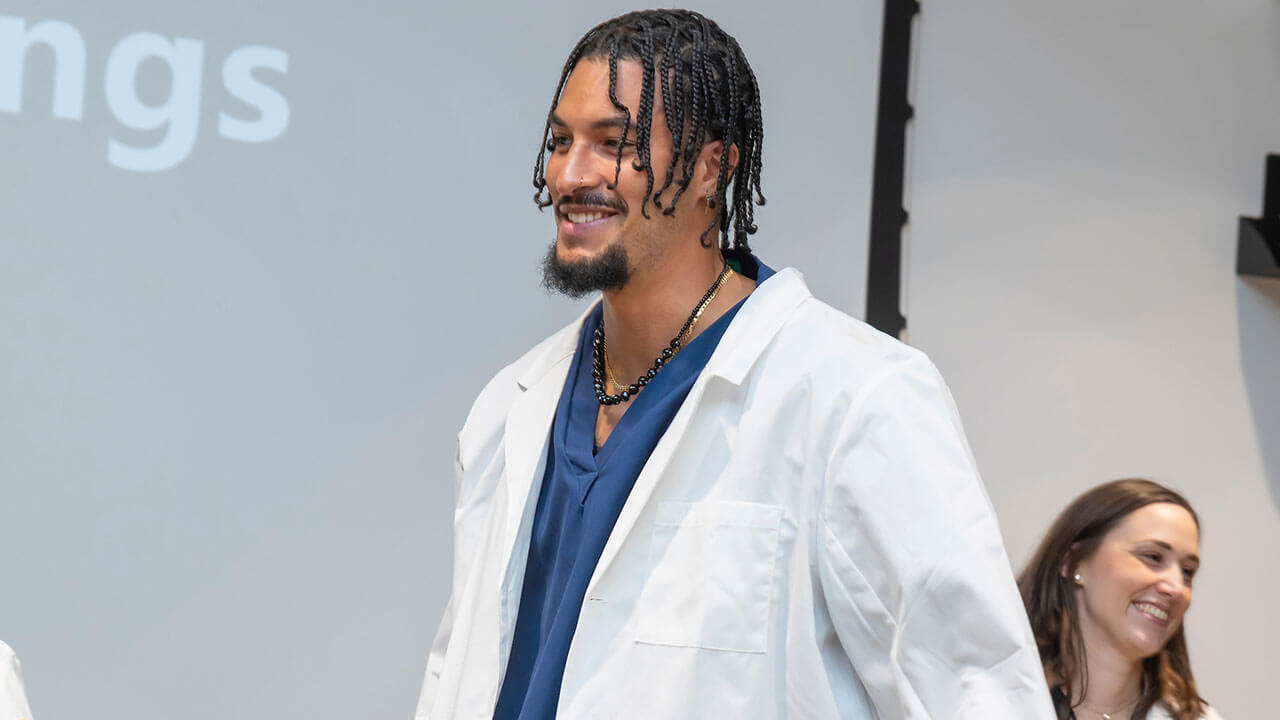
711,580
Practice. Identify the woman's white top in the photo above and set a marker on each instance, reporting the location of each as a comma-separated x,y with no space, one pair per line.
1159,713
13,699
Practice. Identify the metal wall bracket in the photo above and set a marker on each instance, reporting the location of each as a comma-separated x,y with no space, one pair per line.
1258,248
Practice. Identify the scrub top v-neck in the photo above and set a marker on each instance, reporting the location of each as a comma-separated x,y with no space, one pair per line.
583,492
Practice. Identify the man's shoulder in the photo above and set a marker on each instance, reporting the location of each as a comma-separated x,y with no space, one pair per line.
822,322
821,364
823,344
507,384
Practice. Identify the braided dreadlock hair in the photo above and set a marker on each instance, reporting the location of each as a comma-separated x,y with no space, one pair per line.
709,93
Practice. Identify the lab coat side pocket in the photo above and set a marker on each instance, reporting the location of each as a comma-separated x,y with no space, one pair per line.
711,579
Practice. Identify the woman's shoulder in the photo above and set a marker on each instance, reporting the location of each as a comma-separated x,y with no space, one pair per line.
1160,713
1210,714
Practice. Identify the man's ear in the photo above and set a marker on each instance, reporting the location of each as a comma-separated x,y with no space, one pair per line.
709,161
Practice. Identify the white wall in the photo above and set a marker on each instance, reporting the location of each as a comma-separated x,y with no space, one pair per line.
229,389
1076,175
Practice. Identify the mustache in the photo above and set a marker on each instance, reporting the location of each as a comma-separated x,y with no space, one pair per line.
591,197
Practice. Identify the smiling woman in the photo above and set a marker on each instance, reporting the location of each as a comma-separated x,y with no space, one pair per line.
1106,592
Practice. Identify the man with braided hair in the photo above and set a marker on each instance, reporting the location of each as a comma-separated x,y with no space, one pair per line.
711,496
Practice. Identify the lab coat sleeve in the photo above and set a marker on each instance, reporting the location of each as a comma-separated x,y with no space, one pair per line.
911,563
435,663
13,698
463,548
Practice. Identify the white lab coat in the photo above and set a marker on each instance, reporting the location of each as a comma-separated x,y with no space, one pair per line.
809,539
13,698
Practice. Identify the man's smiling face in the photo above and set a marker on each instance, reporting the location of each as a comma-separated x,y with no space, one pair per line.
597,226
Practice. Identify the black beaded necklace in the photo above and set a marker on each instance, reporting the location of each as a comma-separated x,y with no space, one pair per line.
598,367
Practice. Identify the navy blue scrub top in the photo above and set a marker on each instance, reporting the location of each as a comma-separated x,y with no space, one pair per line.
582,494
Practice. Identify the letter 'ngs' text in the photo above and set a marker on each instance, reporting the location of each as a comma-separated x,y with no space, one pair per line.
178,115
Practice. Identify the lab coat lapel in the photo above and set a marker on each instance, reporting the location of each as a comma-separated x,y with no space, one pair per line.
528,430
754,327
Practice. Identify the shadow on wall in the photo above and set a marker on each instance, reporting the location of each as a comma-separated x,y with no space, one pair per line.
1258,312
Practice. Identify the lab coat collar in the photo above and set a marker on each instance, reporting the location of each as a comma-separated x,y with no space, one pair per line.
553,351
526,433
758,321
542,379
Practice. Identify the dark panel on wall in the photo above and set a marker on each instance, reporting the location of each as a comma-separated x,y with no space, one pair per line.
884,262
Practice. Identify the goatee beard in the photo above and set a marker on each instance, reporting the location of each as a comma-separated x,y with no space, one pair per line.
609,271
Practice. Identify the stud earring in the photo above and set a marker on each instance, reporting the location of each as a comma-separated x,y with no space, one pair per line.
1078,581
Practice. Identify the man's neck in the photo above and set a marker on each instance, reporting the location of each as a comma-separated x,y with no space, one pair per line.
642,318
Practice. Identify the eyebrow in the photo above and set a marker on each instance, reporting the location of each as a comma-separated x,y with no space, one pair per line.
617,121
1193,557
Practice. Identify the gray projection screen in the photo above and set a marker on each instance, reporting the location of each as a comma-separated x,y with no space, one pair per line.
256,261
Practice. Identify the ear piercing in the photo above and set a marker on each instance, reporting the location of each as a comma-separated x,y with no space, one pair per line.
1078,581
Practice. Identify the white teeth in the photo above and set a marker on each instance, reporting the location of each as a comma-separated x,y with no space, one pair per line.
583,217
1153,611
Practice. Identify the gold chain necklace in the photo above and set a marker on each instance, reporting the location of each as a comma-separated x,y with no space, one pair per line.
1107,716
603,371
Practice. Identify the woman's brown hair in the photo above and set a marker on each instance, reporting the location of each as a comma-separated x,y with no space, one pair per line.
1051,602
